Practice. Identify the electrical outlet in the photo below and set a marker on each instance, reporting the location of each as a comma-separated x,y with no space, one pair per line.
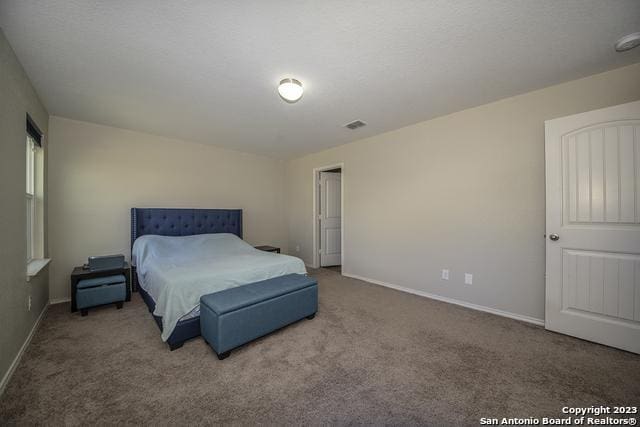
445,274
297,248
29,303
468,279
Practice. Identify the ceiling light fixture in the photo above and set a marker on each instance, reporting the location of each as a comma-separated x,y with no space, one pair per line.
628,42
290,90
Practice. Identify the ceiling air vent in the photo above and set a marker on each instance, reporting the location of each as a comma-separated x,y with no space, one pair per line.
355,124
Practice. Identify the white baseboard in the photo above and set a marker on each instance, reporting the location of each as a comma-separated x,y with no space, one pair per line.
16,360
59,300
528,319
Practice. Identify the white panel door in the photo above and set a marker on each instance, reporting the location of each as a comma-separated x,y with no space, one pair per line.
330,219
593,226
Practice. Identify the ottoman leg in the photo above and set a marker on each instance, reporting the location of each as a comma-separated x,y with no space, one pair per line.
84,312
119,305
311,316
224,355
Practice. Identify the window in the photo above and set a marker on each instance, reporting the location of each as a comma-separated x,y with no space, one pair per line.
34,190
31,197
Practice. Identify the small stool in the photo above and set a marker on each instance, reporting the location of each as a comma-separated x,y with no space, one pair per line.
101,291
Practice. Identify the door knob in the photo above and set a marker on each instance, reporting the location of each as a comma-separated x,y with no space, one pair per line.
554,237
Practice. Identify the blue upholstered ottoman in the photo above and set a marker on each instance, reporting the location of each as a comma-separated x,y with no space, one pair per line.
236,316
100,291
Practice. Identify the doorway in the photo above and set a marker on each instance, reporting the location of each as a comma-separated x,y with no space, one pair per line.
328,222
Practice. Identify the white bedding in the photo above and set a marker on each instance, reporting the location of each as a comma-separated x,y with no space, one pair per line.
177,271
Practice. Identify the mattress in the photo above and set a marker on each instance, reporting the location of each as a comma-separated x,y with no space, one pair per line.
177,271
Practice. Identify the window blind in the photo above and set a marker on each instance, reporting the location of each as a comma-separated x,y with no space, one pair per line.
33,131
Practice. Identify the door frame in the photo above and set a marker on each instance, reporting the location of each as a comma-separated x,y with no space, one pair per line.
315,222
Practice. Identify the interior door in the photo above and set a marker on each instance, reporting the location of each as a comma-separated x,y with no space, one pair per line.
593,226
330,219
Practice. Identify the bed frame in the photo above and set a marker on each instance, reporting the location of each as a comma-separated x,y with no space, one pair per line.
180,222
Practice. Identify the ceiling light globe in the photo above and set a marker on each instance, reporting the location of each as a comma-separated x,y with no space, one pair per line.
290,90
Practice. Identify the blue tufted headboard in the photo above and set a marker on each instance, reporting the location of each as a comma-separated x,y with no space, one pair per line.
184,222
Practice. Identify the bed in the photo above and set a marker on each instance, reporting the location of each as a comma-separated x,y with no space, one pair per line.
179,255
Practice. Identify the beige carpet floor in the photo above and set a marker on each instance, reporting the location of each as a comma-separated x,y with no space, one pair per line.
371,356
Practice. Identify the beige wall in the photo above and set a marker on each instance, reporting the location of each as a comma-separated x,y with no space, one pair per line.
17,98
97,173
463,192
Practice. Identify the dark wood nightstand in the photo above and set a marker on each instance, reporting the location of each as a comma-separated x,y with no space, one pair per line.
80,273
268,249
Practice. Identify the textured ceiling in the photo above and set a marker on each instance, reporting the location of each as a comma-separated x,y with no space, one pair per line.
207,70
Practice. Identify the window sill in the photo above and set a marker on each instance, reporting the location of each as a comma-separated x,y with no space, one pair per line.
35,265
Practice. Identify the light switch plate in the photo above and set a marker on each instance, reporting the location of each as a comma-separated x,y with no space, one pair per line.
468,279
445,274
